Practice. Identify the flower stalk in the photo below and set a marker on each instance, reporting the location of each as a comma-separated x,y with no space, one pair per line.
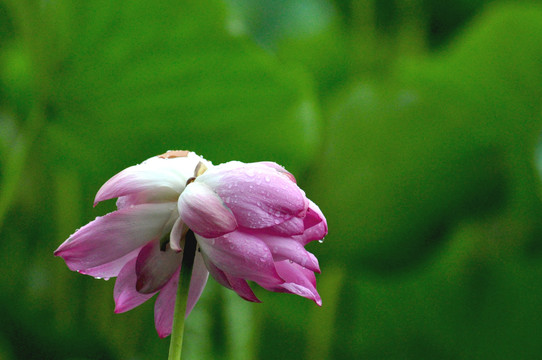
176,344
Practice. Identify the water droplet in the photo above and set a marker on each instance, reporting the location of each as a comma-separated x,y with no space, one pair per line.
277,221
97,278
291,261
263,259
321,241
259,204
267,178
106,278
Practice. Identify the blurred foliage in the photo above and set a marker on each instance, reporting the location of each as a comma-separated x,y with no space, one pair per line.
415,125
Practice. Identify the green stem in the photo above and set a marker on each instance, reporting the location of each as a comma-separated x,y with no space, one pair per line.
176,344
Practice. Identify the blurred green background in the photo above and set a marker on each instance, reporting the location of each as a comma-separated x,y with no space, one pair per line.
415,125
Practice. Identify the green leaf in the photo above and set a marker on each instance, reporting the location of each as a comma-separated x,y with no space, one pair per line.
141,78
448,138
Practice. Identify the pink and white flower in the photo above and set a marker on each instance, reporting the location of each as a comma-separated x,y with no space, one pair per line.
251,223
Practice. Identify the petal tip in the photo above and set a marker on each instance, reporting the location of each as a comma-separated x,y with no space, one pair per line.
163,335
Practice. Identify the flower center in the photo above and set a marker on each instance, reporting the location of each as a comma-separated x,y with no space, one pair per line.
200,169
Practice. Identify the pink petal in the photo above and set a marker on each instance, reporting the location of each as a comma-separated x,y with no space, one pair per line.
125,294
157,179
317,232
239,285
294,226
241,255
198,280
216,273
284,248
111,269
155,267
203,211
164,308
315,225
278,168
114,235
176,235
299,281
314,217
257,194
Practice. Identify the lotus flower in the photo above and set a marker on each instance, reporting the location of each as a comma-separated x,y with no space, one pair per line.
251,222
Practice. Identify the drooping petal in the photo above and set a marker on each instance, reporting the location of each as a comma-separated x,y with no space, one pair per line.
216,273
156,179
241,287
198,280
284,248
164,307
241,255
155,267
238,285
125,294
257,194
111,269
114,235
298,281
176,234
203,211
